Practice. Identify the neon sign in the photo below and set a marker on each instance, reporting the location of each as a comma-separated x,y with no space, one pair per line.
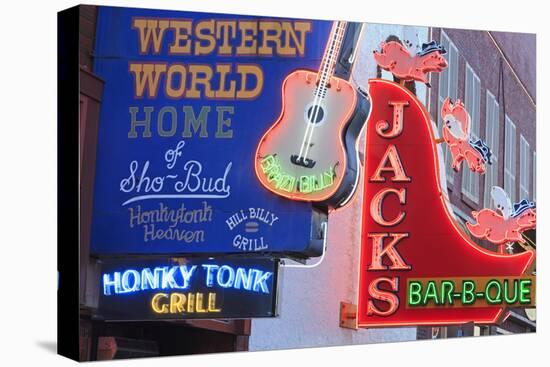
475,292
395,58
188,288
308,153
417,267
173,303
180,162
178,277
507,224
306,184
462,145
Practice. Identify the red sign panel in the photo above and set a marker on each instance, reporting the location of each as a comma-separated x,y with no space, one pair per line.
417,266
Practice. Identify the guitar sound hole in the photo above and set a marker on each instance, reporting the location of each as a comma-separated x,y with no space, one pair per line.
315,114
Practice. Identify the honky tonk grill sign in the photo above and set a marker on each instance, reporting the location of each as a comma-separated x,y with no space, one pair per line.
417,267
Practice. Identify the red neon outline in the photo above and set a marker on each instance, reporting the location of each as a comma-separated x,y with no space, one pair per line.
499,313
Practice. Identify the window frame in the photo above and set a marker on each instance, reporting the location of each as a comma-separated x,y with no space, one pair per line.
524,173
452,67
472,102
492,130
510,157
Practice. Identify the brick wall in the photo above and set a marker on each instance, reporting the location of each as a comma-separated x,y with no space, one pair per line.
87,23
482,51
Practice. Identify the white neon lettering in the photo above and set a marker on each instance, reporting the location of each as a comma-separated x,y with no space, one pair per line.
134,276
230,279
260,282
244,279
181,277
210,268
108,283
186,274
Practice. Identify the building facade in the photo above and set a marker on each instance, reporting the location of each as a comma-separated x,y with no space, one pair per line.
98,339
493,73
309,315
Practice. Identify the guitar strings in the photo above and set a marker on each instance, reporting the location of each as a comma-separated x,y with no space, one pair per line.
335,46
316,96
330,65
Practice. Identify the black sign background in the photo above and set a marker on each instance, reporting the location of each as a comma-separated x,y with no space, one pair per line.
235,303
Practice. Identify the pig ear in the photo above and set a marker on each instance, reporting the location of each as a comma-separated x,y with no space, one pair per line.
445,107
501,201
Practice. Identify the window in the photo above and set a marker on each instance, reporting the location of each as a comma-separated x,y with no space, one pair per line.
534,176
510,159
386,75
481,330
524,161
492,140
470,180
448,87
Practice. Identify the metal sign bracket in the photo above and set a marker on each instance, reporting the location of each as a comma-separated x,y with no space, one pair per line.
348,315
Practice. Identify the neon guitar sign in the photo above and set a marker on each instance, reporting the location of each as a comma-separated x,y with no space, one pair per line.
309,153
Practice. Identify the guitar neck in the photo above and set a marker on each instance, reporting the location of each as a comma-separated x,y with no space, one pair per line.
330,56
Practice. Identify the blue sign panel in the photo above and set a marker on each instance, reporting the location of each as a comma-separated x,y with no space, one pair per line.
180,288
186,100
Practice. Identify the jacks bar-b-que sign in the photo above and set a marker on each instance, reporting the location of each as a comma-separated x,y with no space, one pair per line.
417,266
182,288
187,98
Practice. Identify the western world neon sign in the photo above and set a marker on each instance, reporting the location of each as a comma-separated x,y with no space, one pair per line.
417,267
